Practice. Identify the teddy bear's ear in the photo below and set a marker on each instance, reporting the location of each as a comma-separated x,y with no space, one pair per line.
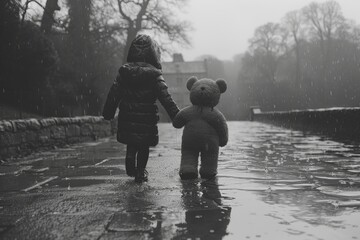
190,82
222,85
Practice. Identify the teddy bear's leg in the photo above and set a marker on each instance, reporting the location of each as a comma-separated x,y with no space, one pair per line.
189,163
209,159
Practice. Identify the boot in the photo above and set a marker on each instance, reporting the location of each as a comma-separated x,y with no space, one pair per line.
141,176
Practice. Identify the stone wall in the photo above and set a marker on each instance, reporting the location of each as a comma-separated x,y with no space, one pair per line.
337,122
23,136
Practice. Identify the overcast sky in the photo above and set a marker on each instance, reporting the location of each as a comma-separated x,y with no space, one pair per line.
212,21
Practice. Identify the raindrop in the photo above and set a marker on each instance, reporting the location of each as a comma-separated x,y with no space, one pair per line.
342,182
269,151
336,204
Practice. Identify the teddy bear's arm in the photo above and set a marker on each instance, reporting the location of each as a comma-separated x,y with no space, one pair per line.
223,134
217,120
222,130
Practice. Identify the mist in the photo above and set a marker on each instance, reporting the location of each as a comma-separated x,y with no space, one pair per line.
59,58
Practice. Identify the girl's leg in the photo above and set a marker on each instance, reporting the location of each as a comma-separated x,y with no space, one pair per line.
142,159
130,160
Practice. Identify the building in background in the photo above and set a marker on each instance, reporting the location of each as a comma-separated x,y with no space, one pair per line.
176,74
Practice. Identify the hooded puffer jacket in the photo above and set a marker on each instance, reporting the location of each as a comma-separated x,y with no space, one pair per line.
137,87
135,92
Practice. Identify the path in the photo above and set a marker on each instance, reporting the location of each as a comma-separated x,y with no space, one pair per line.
273,183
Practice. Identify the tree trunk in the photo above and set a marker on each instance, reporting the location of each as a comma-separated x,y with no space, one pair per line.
47,20
297,52
79,33
130,37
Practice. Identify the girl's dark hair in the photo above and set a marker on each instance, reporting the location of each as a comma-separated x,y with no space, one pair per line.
144,49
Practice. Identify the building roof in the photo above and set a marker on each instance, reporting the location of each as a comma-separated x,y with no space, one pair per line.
183,67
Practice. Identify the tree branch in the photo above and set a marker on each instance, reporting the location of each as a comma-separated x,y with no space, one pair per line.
122,11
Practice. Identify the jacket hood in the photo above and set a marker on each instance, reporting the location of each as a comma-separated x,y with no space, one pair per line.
144,49
138,73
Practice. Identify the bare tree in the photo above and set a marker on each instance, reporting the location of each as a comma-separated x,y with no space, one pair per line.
324,19
25,7
267,45
292,23
80,40
158,16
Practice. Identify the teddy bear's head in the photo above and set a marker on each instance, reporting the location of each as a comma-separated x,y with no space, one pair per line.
205,92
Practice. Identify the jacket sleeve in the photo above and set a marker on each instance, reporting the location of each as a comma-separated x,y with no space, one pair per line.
165,98
179,121
112,100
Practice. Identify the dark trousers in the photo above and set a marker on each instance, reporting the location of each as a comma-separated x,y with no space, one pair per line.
136,158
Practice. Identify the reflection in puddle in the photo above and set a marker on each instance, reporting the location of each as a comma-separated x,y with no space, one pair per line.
205,216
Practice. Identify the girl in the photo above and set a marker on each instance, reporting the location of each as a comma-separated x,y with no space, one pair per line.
137,87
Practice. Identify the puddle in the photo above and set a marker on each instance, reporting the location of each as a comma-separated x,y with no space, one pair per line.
295,175
73,183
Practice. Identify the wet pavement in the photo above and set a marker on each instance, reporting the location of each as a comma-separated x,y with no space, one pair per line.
273,183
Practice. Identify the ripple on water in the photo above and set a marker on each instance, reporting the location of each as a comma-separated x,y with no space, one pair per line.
348,193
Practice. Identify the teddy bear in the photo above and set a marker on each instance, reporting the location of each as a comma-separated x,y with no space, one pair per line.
205,128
